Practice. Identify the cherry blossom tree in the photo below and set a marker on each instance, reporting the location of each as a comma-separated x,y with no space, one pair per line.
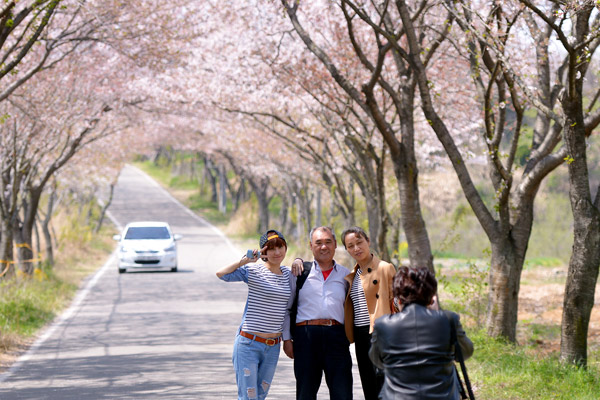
21,27
372,88
501,63
575,26
41,146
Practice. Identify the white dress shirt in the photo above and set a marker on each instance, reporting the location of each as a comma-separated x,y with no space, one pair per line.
322,298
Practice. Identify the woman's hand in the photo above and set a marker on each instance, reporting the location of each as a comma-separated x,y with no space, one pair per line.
254,256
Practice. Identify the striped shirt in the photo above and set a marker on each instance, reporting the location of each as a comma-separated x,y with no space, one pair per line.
357,294
268,297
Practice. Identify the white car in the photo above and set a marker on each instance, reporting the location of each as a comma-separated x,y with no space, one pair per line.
147,244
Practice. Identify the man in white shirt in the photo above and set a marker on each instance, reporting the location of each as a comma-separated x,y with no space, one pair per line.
320,344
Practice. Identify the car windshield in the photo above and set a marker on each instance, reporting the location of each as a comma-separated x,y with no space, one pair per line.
147,232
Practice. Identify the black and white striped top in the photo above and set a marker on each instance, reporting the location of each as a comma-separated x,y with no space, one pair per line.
268,297
357,294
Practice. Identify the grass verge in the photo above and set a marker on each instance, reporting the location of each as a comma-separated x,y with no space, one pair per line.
500,370
27,304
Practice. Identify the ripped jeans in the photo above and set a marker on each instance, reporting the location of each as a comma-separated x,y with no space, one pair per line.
254,365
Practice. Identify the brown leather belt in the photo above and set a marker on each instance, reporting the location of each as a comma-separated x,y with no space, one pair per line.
267,341
319,322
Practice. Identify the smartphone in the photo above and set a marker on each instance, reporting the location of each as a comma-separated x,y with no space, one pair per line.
250,254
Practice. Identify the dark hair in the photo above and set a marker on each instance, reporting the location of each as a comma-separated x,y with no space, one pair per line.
275,242
321,228
278,241
414,285
357,230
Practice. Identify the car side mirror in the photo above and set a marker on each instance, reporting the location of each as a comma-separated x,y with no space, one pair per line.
117,237
177,236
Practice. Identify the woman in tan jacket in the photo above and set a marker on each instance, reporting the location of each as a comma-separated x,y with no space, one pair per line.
370,296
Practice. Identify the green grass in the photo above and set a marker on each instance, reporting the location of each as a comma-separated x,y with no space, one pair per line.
180,182
28,305
161,174
207,209
500,370
165,177
449,254
543,262
541,332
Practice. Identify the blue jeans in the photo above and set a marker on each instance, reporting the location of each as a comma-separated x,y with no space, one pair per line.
254,365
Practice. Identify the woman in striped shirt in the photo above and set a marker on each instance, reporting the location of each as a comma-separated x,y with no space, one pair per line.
370,296
265,322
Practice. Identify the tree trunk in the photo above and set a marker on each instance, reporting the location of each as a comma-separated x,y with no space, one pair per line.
208,170
585,257
505,279
395,245
24,230
581,283
49,249
89,204
240,194
304,216
202,177
24,250
38,249
383,249
283,214
7,269
263,210
300,219
103,210
222,190
318,209
373,214
406,171
260,188
419,247
193,171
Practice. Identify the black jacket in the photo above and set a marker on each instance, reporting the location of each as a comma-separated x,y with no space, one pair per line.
413,348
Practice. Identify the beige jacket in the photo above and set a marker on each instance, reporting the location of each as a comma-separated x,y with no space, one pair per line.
377,279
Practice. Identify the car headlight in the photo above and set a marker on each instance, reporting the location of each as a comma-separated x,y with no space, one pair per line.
170,248
124,249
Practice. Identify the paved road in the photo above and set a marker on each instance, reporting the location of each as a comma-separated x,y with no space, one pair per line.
148,335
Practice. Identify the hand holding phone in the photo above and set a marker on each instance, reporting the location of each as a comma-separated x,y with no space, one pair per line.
250,254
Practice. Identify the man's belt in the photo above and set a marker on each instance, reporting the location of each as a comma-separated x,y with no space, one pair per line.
319,322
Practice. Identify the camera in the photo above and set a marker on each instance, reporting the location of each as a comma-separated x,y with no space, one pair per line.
250,254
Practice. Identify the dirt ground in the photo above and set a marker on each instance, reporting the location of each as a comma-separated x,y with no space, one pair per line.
541,302
11,349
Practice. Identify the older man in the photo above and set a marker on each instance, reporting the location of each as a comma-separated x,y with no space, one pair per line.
320,344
